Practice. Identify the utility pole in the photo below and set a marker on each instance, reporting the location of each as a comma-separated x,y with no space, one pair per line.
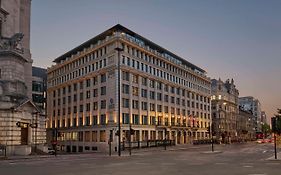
130,141
119,49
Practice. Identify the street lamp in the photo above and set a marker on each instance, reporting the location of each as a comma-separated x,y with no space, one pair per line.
119,50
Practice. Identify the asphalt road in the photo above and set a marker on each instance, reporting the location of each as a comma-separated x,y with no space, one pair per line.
235,159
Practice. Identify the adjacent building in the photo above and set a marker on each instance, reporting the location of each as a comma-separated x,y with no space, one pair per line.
245,125
39,88
159,91
253,105
225,109
263,117
21,125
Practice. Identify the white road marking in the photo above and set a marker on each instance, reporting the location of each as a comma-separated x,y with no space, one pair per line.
220,163
247,166
258,174
168,164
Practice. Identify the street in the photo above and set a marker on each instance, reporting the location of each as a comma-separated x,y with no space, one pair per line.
236,159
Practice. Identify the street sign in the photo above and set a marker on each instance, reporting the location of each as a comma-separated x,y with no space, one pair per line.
33,125
22,124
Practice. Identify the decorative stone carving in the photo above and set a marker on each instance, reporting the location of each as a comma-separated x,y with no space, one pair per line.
13,43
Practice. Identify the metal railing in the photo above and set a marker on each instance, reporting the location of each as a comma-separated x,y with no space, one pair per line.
147,144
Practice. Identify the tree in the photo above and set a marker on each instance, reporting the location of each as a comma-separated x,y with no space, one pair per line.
276,122
265,129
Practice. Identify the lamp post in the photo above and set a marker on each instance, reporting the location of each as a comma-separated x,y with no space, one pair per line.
119,50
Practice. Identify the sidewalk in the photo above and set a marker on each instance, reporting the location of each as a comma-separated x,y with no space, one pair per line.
135,151
273,157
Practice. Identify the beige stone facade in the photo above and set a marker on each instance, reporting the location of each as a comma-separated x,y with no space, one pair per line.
158,89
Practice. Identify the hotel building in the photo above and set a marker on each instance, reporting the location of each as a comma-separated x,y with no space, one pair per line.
159,91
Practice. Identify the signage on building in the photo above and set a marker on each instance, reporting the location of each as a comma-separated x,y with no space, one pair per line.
22,124
33,125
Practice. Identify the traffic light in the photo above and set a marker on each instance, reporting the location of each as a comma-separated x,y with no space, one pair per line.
273,124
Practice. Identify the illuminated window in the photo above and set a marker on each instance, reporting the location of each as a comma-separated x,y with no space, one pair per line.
219,97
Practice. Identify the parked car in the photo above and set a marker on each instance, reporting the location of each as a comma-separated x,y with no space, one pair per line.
51,151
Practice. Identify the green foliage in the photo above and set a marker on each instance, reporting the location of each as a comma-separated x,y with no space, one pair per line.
265,128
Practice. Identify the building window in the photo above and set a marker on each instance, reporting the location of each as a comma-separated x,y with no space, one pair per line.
144,120
166,109
152,95
88,107
144,81
135,91
135,79
125,88
152,120
94,136
87,122
95,106
102,136
144,105
125,118
159,108
102,119
81,85
135,104
152,107
103,104
103,78
95,92
103,90
88,94
95,81
125,76
81,108
144,93
152,83
136,119
88,82
95,120
125,103
159,96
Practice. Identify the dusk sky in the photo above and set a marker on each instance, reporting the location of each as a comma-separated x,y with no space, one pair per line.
236,39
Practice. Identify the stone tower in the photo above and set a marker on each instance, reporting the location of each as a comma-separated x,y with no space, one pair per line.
21,122
15,57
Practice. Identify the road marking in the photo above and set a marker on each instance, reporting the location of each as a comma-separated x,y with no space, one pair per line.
221,163
168,164
247,163
247,166
258,174
195,164
141,163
